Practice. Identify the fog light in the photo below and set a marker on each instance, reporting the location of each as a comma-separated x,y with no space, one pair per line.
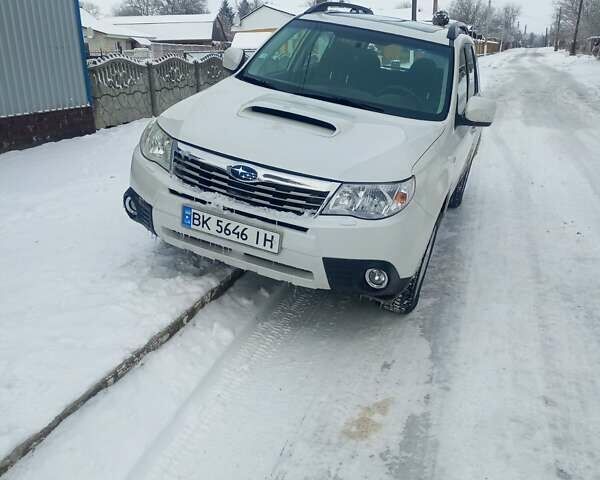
376,278
130,206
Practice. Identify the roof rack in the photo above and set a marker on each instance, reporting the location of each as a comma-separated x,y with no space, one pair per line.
323,7
457,28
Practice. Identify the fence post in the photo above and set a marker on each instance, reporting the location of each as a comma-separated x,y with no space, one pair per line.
150,67
197,75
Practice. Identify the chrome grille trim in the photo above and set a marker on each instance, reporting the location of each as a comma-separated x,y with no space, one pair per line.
279,191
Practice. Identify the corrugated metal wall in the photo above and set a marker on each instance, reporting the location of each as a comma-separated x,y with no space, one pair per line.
41,65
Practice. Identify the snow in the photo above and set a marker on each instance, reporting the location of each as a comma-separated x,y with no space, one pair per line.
98,25
493,377
170,27
250,40
81,285
583,68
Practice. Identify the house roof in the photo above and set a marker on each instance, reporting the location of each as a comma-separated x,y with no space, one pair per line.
89,21
290,10
170,27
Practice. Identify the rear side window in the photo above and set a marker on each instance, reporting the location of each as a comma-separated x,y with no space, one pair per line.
463,83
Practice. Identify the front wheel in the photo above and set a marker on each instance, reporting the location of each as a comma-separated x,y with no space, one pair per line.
408,300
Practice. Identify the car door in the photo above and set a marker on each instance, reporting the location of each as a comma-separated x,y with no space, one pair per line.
467,87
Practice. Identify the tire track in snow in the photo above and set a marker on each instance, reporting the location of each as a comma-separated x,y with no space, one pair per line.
319,390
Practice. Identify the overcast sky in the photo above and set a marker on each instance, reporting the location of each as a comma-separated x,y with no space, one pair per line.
537,14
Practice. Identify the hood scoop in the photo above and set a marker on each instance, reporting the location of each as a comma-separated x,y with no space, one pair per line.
294,117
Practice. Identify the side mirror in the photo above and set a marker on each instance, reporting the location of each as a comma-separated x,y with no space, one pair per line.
233,59
480,112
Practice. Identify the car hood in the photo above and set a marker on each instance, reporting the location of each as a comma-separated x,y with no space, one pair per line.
300,134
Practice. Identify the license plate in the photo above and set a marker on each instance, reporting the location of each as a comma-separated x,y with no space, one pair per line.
234,231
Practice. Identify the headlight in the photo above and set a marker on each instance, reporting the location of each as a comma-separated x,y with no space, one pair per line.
156,145
371,201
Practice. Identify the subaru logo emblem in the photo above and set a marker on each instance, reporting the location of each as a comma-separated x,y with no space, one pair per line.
242,173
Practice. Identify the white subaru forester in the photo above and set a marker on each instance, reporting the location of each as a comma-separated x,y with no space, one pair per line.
326,160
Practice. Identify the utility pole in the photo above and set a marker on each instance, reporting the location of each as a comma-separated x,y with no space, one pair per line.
574,45
556,38
546,38
435,6
487,19
414,10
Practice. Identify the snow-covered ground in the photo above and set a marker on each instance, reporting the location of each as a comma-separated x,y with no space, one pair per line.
495,376
81,286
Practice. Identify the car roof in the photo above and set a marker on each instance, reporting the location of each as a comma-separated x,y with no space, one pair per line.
380,23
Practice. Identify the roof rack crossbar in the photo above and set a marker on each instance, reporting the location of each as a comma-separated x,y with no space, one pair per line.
323,7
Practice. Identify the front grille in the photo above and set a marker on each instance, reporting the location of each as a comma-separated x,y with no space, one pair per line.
210,178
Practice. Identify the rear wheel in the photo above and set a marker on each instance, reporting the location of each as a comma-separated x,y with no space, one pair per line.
407,301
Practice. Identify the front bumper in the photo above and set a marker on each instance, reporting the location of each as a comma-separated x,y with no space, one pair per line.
323,252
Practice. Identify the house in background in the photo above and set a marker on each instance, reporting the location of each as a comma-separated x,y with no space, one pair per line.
204,29
45,93
266,18
102,37
254,28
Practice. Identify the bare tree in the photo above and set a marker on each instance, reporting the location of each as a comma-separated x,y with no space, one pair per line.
161,7
138,7
182,7
90,7
507,22
243,8
590,21
226,14
471,12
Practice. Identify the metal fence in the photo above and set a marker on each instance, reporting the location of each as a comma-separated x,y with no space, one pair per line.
124,90
41,62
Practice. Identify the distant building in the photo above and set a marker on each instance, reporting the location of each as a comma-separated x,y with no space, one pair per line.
201,29
269,17
266,18
102,37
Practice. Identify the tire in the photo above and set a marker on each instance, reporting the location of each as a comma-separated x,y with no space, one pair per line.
457,196
408,300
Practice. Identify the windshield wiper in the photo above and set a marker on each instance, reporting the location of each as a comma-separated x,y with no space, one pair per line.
344,101
259,81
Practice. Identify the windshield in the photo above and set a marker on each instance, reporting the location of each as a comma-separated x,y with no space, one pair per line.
356,67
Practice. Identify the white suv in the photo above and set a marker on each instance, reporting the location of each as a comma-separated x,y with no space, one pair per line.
327,160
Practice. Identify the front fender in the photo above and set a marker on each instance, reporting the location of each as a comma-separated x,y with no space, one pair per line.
433,175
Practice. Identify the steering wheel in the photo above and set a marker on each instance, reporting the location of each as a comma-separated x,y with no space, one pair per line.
395,89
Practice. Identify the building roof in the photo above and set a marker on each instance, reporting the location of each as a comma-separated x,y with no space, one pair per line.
89,21
289,9
170,27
